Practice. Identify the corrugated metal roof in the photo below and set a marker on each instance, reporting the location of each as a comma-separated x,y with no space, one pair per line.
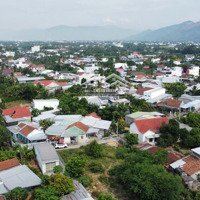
46,152
80,194
19,176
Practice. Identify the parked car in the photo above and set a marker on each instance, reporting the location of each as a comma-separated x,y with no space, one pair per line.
60,146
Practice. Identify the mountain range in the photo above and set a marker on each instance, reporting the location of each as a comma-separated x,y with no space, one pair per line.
69,33
183,32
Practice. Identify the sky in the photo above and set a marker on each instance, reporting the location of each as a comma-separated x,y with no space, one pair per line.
131,14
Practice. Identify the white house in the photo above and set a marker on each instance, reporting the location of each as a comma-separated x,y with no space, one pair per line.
35,49
40,104
147,129
194,71
47,157
9,54
177,71
90,69
121,65
154,93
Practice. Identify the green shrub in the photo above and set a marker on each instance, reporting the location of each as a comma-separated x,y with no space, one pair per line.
17,193
58,169
96,167
105,196
86,181
94,150
122,152
104,179
75,166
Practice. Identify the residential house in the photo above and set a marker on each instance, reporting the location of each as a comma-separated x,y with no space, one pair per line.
189,57
148,129
130,118
26,79
16,114
194,71
177,71
37,68
152,95
35,49
189,168
13,174
47,157
27,132
171,104
76,132
76,128
40,104
51,85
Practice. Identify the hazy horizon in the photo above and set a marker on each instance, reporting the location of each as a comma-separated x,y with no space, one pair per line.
129,14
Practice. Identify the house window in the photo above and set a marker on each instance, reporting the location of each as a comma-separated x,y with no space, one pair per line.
82,137
151,140
50,166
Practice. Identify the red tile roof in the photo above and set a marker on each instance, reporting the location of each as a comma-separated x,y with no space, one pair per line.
192,165
153,124
36,66
48,82
172,157
141,90
79,125
17,112
27,130
7,164
93,115
152,150
21,125
171,103
44,82
62,83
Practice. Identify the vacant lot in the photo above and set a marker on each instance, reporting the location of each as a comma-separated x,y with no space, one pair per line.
100,181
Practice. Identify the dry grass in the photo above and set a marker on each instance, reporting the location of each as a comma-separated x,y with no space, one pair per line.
18,103
108,161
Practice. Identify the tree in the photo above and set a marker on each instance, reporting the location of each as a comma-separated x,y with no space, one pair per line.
46,123
193,139
17,194
121,125
5,138
94,150
96,167
7,154
23,153
169,133
176,89
75,166
35,112
131,139
86,181
160,157
142,178
44,193
61,184
105,196
58,169
193,119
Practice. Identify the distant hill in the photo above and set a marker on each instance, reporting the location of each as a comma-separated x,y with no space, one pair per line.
69,33
184,32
